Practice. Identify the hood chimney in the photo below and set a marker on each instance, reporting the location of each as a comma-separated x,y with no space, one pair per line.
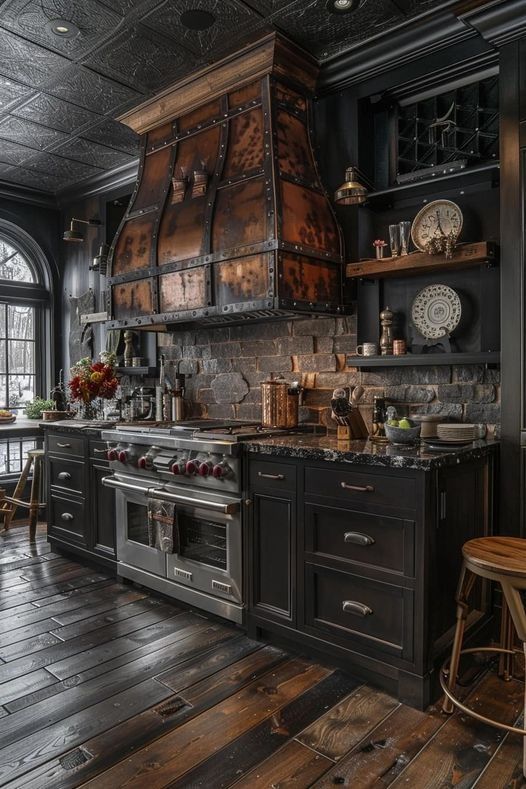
229,221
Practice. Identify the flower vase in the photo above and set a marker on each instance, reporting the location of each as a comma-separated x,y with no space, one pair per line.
88,410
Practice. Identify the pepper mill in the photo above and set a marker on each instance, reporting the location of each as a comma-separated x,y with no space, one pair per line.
386,338
129,351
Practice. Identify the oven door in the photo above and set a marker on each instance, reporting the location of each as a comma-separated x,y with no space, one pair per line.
131,510
209,555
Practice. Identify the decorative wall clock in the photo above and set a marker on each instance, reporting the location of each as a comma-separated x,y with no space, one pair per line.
439,219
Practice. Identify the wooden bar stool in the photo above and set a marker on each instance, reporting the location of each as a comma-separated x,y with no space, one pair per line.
9,504
500,559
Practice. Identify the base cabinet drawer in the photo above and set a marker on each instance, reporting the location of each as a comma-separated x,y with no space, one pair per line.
68,474
65,444
351,536
361,487
67,519
349,607
266,474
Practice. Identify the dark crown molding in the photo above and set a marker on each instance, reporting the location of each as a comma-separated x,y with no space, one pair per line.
501,22
412,41
100,184
22,194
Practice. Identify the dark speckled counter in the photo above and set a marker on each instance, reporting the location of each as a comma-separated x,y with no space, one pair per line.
366,453
89,428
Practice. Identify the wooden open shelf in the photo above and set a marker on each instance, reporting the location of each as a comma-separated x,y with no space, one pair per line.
465,255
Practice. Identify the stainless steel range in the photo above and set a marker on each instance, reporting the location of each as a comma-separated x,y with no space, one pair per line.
196,466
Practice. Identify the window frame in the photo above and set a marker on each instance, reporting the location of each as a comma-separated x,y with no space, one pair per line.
32,294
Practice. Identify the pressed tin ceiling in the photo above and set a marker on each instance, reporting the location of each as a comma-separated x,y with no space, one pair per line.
60,93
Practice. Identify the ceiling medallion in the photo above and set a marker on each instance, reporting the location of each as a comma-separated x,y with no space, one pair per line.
62,28
197,19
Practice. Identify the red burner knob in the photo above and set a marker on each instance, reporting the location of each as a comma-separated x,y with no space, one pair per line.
143,462
178,468
123,456
205,468
112,454
191,467
220,470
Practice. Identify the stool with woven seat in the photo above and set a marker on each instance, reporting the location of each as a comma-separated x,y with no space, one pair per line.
500,559
9,504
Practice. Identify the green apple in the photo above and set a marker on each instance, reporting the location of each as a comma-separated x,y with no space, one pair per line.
393,422
404,423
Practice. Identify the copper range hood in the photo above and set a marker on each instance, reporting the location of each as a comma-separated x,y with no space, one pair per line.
229,221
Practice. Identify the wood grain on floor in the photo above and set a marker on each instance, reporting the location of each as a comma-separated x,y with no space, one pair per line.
105,685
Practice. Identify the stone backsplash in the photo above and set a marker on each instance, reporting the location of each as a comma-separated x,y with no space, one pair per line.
225,367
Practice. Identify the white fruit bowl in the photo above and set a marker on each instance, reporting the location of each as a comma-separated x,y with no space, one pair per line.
403,435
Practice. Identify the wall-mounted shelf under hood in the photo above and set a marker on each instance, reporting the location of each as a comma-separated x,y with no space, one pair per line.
229,221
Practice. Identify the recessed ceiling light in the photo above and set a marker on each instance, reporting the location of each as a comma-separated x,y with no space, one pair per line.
62,28
343,6
197,19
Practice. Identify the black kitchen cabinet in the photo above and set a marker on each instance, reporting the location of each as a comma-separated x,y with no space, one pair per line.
273,542
359,563
81,511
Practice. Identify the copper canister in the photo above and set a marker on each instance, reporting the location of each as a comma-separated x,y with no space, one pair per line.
276,410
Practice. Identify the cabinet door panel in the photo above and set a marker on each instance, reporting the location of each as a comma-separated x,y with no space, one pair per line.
273,557
360,537
103,502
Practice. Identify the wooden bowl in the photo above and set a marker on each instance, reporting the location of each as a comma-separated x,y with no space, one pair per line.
7,420
54,416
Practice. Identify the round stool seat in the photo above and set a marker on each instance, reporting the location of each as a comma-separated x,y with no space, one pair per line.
36,453
498,555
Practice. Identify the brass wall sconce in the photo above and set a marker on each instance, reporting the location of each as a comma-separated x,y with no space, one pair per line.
352,191
76,235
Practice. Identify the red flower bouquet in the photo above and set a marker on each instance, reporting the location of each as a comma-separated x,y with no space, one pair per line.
90,380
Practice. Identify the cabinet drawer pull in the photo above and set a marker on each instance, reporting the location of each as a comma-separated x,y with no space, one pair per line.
64,475
359,609
63,446
99,451
358,488
357,538
67,516
271,476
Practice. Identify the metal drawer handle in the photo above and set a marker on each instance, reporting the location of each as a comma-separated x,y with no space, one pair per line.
271,476
67,516
99,451
63,446
359,609
64,475
358,488
357,538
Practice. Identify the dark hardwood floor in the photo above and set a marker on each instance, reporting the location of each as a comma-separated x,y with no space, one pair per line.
106,685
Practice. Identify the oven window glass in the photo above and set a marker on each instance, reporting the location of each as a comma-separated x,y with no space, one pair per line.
137,522
202,540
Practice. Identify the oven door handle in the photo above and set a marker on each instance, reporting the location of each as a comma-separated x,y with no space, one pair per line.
182,498
111,482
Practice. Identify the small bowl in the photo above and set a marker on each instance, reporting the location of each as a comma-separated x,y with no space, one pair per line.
401,435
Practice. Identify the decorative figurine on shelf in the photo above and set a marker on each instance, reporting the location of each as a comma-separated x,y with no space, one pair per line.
129,350
379,244
386,338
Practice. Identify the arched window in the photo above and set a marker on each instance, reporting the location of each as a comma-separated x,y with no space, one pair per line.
24,318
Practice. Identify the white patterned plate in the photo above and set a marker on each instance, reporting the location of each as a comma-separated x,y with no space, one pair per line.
436,311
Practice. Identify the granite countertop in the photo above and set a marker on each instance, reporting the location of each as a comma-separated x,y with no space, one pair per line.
91,427
366,453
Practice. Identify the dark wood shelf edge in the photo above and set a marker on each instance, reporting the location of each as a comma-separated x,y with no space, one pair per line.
424,359
466,255
149,371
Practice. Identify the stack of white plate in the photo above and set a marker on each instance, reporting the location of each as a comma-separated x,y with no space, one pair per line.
456,432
